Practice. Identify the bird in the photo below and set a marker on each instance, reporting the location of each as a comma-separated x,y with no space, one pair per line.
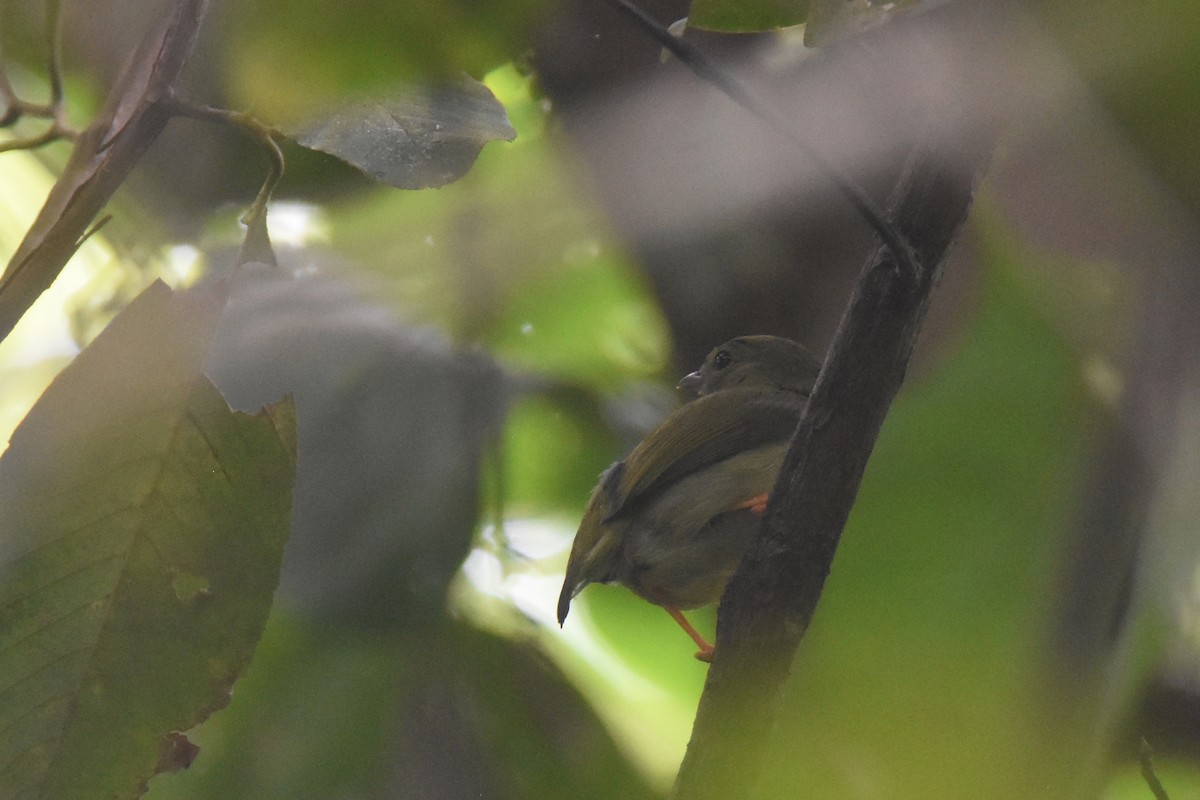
672,521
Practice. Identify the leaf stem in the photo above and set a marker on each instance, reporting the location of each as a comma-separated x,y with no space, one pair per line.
1146,759
257,245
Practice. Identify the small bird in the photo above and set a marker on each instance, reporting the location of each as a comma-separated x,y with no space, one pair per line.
672,521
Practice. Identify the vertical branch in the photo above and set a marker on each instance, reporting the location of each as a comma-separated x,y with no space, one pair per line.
771,600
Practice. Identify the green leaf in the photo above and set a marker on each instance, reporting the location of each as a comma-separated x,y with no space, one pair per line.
746,16
420,140
141,529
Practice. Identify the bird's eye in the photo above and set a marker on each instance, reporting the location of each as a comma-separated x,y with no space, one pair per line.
721,360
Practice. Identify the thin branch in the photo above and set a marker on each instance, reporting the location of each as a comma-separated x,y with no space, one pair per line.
705,69
33,142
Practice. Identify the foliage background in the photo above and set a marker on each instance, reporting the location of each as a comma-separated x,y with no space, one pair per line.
465,361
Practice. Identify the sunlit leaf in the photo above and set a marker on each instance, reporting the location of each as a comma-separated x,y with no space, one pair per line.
142,526
420,140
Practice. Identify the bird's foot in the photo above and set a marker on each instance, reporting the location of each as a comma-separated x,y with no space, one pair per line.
756,504
706,649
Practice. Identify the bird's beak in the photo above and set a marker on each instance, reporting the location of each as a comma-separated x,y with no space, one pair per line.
691,382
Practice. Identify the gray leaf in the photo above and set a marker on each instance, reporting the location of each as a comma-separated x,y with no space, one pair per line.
420,140
393,421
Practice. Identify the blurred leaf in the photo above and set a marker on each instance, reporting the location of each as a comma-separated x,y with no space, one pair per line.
1146,68
649,640
419,140
310,719
514,256
921,666
288,62
325,713
143,524
553,453
590,321
539,736
829,20
746,16
394,422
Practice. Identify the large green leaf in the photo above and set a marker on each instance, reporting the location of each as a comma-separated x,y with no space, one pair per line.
141,529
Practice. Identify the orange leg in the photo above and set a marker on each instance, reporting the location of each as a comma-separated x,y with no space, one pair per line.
706,649
757,504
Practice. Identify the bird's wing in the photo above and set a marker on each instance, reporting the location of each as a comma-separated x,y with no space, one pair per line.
595,549
704,432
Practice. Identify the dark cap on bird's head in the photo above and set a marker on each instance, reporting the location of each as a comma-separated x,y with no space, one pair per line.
768,361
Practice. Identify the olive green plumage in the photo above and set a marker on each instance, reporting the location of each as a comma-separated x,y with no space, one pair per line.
672,520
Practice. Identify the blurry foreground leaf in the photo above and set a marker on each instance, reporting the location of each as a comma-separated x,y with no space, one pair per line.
1144,69
394,422
829,20
142,526
287,61
329,713
922,664
746,16
421,140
